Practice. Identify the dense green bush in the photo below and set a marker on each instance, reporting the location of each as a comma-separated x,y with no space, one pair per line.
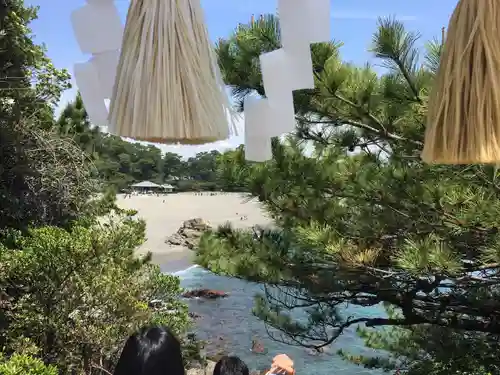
77,294
23,364
196,186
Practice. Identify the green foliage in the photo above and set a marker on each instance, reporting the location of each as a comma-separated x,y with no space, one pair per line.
72,288
24,364
429,350
119,163
29,83
233,170
173,166
43,178
69,295
360,220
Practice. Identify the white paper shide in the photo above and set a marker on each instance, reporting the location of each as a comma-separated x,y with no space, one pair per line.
98,31
283,71
258,123
87,80
97,27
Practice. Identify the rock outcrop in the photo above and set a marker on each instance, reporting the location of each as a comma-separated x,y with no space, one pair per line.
258,347
204,293
208,370
189,233
194,315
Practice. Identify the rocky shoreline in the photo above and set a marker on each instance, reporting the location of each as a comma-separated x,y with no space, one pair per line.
214,351
207,370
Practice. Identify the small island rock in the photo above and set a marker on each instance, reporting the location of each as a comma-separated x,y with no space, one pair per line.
189,233
204,293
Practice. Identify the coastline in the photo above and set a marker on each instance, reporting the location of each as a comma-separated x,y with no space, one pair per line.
226,325
174,262
165,214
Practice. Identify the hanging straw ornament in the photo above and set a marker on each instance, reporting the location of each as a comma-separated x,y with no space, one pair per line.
464,107
168,86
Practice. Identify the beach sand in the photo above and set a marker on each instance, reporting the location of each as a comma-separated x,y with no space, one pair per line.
165,214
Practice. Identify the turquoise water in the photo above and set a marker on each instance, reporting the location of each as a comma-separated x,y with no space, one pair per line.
229,326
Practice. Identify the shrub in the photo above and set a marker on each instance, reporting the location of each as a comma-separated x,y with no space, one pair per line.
25,364
77,294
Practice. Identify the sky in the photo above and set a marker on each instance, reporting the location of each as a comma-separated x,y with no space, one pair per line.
353,23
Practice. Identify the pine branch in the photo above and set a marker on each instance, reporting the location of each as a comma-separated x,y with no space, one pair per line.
382,131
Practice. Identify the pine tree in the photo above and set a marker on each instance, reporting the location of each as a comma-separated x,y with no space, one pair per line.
30,85
74,123
360,219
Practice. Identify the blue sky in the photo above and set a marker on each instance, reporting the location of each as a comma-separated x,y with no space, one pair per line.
353,23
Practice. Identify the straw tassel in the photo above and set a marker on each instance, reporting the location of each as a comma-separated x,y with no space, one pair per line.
161,74
168,86
463,124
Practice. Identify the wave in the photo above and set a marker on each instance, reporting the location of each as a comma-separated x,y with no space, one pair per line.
186,272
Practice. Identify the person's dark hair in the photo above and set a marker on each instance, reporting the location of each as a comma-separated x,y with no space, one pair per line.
231,366
151,351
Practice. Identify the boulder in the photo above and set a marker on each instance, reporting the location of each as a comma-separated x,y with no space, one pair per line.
194,315
208,370
204,293
258,347
189,233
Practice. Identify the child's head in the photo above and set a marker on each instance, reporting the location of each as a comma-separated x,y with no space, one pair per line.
152,351
231,366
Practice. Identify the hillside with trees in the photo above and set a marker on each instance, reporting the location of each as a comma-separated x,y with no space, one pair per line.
120,163
71,289
362,222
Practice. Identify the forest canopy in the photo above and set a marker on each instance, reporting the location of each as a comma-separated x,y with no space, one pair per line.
119,163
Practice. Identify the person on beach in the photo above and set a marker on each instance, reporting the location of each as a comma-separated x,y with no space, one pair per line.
230,366
151,351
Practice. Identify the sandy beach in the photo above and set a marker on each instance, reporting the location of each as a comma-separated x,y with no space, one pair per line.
165,214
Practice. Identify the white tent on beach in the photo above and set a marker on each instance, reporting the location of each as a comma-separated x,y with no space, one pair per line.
145,186
148,186
167,188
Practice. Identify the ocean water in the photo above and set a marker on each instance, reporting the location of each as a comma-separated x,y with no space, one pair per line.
229,326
